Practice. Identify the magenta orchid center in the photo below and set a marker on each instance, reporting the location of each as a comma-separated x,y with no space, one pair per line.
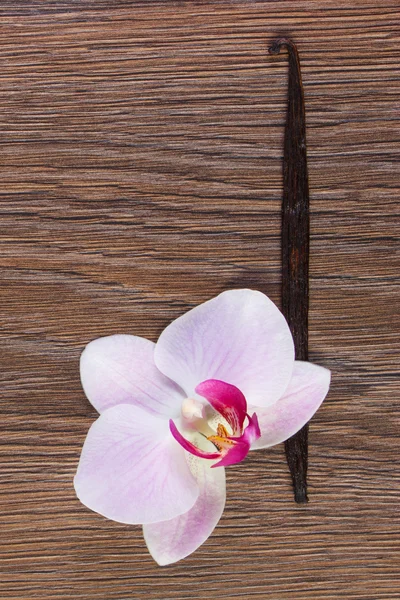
221,422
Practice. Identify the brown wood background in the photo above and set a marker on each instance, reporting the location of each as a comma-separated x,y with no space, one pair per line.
141,155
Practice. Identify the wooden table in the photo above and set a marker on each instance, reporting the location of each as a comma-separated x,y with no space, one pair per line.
141,174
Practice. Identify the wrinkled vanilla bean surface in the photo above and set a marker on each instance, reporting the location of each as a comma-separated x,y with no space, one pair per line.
295,246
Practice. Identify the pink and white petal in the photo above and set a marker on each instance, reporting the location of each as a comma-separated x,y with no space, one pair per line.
132,470
170,541
239,337
306,391
120,369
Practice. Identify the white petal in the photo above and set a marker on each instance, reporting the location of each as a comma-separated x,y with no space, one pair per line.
132,470
239,337
120,369
175,539
306,391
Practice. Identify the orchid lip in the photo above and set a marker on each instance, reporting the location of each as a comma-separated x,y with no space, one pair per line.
228,402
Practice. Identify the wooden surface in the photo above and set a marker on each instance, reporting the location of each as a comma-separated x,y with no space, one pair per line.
141,156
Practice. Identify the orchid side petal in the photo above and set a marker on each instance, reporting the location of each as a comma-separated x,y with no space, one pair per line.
306,391
187,445
173,540
131,469
226,399
239,337
120,369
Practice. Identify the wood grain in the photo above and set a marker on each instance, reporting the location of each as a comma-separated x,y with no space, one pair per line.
141,157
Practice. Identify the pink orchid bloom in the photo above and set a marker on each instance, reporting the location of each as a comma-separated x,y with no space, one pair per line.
221,380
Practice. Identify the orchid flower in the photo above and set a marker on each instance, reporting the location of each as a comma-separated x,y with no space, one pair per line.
221,380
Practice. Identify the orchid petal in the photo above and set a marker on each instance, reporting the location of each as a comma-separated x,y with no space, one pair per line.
120,369
172,540
239,337
306,391
226,399
131,469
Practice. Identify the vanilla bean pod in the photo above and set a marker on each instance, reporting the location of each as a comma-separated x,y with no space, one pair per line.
295,246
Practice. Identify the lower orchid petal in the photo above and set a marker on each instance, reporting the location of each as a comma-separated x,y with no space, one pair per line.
306,391
173,540
131,469
120,369
227,400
